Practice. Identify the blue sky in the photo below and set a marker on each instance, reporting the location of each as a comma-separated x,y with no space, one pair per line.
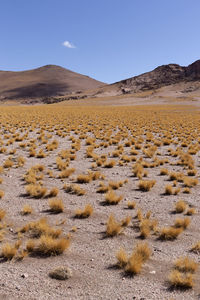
111,39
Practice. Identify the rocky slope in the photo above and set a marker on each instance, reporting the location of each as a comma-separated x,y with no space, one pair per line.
159,77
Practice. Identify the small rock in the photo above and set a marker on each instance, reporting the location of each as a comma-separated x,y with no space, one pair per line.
25,275
62,273
152,272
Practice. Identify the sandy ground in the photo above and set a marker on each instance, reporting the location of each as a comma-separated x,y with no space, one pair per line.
91,256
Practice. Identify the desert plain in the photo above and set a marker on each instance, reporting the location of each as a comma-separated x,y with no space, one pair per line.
109,192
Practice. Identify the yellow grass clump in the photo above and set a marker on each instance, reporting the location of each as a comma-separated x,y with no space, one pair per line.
190,182
8,251
113,227
1,194
8,163
111,198
146,185
53,192
83,178
131,204
140,255
36,190
2,214
170,233
40,227
27,210
180,206
122,258
164,171
66,173
47,246
56,205
191,211
110,164
185,264
182,223
85,213
103,188
181,280
196,248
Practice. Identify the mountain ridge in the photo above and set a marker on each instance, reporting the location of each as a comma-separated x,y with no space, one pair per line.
52,83
160,76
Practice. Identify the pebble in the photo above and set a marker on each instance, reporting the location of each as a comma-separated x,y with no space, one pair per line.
25,275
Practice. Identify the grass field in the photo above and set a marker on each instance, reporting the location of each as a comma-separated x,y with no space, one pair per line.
110,192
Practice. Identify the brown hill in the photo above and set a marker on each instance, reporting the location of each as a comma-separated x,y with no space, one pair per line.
43,82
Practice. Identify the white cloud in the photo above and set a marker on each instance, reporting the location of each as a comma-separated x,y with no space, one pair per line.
68,44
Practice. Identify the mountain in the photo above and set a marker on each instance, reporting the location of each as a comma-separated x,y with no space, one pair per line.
53,84
161,76
46,81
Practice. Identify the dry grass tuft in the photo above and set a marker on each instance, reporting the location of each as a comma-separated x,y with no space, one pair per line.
191,211
185,264
47,246
1,194
164,171
182,223
74,189
40,227
8,164
170,233
140,255
85,213
186,190
181,280
103,188
131,204
111,198
110,164
2,214
66,173
8,251
145,228
190,182
168,190
180,206
56,205
196,248
146,185
36,190
53,192
83,178
122,258
27,210
126,221
113,227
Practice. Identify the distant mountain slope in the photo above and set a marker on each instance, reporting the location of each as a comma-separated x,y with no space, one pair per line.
46,81
161,76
